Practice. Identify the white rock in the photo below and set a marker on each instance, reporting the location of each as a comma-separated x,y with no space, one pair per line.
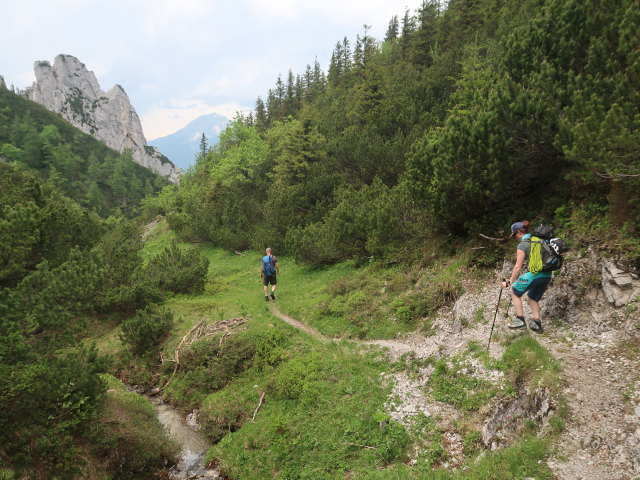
69,89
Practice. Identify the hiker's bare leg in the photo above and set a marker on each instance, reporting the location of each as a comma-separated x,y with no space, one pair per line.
535,309
517,304
266,290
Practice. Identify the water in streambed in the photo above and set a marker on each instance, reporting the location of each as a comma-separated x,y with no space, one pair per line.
193,446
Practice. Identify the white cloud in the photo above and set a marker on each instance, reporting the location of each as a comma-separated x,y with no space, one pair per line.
215,55
276,9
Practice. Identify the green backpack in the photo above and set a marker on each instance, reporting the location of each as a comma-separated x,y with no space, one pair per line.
546,252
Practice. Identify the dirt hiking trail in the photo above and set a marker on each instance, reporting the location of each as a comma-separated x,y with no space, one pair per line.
601,439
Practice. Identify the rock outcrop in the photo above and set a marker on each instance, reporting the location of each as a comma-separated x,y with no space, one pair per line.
619,286
510,415
72,91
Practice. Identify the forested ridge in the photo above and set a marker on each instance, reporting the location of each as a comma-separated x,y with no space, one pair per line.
82,167
460,121
465,118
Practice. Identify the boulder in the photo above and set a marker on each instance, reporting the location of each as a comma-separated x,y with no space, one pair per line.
506,423
620,287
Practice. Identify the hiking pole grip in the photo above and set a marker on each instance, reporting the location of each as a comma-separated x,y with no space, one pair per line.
495,315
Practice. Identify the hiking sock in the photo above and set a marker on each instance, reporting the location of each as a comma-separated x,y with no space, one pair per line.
518,323
536,325
273,295
266,297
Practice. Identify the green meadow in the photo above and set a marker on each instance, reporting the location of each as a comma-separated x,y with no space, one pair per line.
276,402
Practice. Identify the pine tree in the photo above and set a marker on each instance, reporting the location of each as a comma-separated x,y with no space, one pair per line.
261,121
425,36
289,101
408,28
94,197
204,148
392,30
336,71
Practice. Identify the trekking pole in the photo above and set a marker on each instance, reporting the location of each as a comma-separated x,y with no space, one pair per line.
494,316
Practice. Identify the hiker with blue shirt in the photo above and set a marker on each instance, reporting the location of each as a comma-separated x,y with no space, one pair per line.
522,280
269,270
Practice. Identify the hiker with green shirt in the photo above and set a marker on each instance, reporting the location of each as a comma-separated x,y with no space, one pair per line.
523,280
269,270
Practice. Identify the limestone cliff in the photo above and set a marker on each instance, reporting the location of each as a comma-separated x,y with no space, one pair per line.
72,91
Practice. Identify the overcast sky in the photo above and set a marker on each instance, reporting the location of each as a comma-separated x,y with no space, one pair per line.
179,59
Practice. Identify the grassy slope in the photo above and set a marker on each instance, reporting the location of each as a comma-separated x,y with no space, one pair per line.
324,401
326,397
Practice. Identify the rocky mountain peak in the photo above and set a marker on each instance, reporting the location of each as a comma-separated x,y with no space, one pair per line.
72,91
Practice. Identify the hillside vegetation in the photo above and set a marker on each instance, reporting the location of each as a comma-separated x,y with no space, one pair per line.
461,121
328,403
80,166
61,265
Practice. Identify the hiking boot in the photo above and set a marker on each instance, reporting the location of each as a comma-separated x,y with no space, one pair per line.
517,324
536,325
266,297
273,295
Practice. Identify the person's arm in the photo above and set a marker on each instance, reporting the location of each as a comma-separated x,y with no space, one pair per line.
515,273
261,268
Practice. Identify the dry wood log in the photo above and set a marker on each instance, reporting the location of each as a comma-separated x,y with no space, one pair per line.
262,395
494,239
176,354
200,330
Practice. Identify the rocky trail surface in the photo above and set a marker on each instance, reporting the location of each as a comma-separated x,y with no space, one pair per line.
595,342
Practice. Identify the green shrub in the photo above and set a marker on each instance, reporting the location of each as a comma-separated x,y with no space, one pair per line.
178,271
271,347
144,332
126,287
294,376
49,405
225,411
209,366
131,297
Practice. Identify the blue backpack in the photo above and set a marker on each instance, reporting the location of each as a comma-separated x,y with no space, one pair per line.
267,266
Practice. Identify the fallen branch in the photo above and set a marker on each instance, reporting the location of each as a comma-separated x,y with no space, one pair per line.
262,395
176,355
222,338
200,330
360,445
494,239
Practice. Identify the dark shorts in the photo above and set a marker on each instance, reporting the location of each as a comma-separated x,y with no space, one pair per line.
535,286
270,280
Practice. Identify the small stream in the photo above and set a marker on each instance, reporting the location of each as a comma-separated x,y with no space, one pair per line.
193,446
